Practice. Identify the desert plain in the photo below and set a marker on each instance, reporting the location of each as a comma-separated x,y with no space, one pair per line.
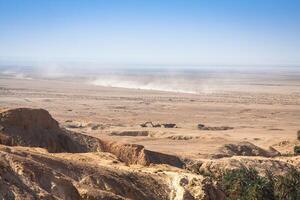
254,108
263,109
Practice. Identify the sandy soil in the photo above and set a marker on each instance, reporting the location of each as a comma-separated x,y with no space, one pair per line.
264,114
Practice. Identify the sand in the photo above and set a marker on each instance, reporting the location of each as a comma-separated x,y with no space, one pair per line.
85,141
260,111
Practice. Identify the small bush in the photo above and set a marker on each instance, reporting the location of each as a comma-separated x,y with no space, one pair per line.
297,150
246,184
287,186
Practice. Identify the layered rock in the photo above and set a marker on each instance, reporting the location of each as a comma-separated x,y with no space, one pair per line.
28,174
37,128
84,167
137,154
245,149
215,167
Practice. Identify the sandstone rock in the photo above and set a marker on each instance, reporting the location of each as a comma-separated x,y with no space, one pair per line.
90,193
182,137
169,125
150,124
33,174
165,125
213,128
216,167
137,154
129,133
244,149
37,128
212,192
64,189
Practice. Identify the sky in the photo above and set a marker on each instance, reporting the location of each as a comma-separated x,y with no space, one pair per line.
151,32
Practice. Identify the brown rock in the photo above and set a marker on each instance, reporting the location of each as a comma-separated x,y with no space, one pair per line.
137,154
245,149
130,133
33,174
213,128
37,128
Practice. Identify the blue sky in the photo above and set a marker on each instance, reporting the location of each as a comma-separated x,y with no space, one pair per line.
152,32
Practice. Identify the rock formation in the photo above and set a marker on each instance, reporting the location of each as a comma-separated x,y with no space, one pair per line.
37,128
213,128
41,160
157,125
130,133
245,149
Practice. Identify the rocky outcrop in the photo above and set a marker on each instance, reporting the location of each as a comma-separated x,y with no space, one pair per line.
33,173
169,125
70,124
129,133
216,167
182,137
22,178
157,125
137,154
84,167
244,149
213,128
150,124
37,128
27,174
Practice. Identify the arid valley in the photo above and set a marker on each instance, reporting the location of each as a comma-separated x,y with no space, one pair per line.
234,123
149,100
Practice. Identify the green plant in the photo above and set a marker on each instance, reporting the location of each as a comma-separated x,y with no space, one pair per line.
297,150
246,184
287,186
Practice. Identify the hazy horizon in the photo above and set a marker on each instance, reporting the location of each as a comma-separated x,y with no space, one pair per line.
192,80
181,46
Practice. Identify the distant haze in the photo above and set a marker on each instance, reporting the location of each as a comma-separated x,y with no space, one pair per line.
192,80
